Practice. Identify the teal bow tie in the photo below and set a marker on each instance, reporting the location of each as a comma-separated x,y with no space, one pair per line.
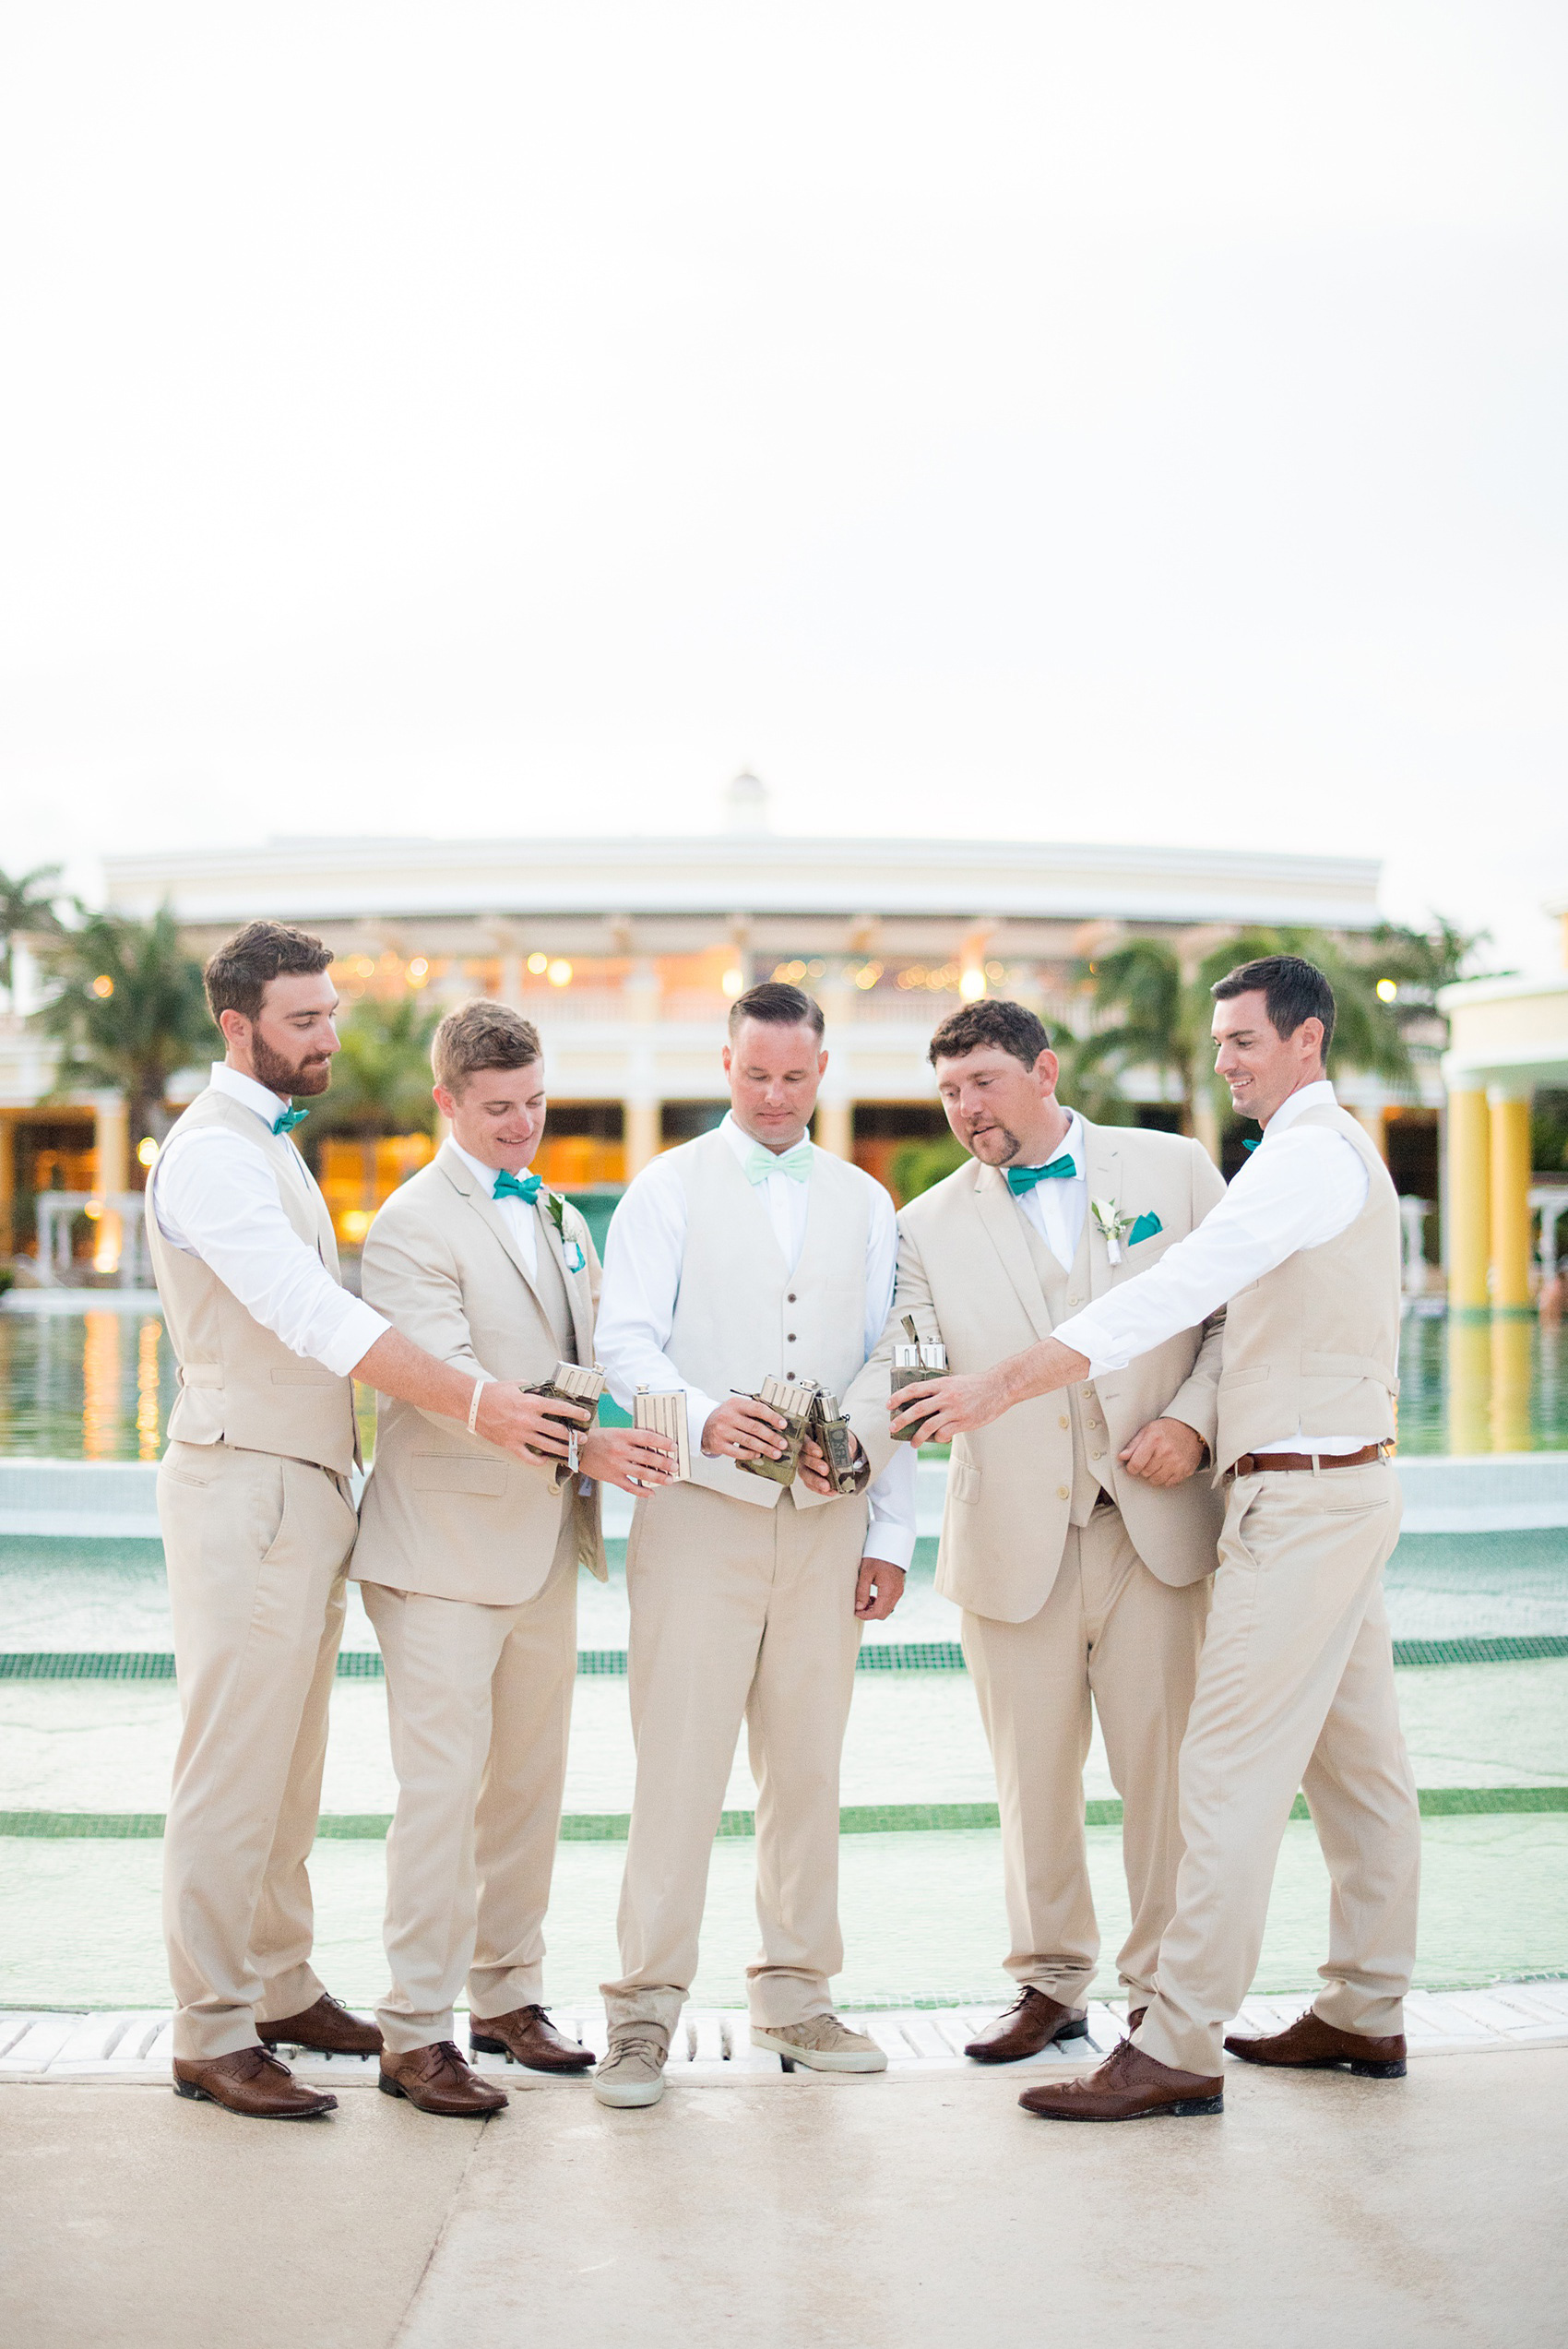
1252,1145
1024,1178
796,1164
286,1119
526,1187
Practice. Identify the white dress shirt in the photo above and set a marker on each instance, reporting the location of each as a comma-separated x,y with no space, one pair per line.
1057,1208
642,1275
217,1200
1302,1185
516,1213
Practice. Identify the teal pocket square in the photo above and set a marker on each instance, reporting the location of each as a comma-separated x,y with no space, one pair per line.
1144,1229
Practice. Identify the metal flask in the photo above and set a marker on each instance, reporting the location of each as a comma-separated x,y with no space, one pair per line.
797,1401
831,1430
572,1382
665,1415
920,1358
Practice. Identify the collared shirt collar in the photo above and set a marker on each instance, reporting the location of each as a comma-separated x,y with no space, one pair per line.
740,1140
267,1105
479,1169
1316,1096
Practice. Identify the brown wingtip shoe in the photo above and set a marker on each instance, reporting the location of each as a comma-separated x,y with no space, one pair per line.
250,2082
527,2036
1031,2022
437,2079
1312,2045
1129,2086
328,2029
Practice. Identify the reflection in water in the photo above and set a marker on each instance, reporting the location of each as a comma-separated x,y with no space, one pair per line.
100,1385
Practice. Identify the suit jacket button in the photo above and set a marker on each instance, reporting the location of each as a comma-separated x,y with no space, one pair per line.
1064,1493
1074,1301
1064,1421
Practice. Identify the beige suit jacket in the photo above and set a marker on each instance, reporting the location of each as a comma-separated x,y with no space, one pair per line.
443,1512
964,1273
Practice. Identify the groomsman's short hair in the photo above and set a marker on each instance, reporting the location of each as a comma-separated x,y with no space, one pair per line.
239,974
994,1020
481,1035
1292,991
777,1004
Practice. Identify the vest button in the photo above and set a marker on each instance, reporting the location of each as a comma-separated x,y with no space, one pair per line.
1063,1494
1074,1301
1062,1422
1098,1454
790,1299
790,1339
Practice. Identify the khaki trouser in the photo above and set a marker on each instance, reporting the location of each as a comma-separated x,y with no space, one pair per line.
737,1613
255,1547
1110,1631
480,1703
1295,1689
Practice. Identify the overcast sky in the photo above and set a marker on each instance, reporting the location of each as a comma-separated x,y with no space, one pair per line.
1110,420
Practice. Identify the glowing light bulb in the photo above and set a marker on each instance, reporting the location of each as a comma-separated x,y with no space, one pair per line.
146,1151
732,982
1387,990
103,986
971,984
539,964
560,973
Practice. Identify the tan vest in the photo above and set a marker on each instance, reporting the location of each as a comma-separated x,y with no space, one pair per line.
1082,1403
1314,1344
741,1315
239,1385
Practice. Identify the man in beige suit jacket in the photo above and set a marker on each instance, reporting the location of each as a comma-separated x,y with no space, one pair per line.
1076,1540
468,1559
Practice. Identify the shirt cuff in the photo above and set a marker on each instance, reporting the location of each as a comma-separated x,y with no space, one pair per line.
700,1409
891,1543
1083,1337
354,1337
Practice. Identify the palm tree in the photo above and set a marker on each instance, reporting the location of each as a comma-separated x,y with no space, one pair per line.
128,1010
26,910
381,1079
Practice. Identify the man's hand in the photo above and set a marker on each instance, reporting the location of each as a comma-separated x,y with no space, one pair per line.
812,1469
1166,1451
741,1429
633,1458
528,1424
878,1590
942,1408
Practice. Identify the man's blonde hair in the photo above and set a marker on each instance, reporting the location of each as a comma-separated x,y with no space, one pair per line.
481,1035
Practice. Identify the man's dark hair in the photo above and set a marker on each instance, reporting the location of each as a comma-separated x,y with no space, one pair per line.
1292,991
777,1004
993,1021
237,976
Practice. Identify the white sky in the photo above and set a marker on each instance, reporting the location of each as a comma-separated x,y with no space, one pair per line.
1106,421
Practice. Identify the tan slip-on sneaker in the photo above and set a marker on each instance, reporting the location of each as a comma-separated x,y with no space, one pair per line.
632,2069
822,2044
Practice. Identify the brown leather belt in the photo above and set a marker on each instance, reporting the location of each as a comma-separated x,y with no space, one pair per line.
1259,1464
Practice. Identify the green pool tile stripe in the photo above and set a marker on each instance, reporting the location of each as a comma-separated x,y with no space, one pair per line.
883,1655
854,1818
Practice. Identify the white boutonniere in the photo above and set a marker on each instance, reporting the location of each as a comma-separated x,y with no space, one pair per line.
555,1208
1111,1223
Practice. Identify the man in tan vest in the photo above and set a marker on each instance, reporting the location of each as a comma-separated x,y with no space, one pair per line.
467,1562
1077,1539
1295,1681
746,1255
254,1502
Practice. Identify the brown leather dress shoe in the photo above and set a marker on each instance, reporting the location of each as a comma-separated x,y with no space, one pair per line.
327,2028
1312,2045
438,2081
527,2036
1129,2086
251,2082
1031,2022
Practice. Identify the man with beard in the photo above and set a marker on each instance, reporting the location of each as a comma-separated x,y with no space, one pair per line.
258,1520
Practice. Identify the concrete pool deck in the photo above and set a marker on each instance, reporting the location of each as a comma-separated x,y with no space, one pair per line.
922,2210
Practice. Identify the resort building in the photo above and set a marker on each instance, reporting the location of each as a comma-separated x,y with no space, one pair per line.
628,952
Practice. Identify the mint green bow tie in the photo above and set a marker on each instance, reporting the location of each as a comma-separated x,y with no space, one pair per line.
286,1119
526,1187
796,1164
1024,1178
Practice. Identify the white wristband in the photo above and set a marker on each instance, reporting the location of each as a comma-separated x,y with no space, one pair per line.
479,1386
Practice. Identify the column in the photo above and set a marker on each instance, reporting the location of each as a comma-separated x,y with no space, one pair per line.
834,1125
112,1163
8,1183
1469,1237
1510,1173
640,1105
